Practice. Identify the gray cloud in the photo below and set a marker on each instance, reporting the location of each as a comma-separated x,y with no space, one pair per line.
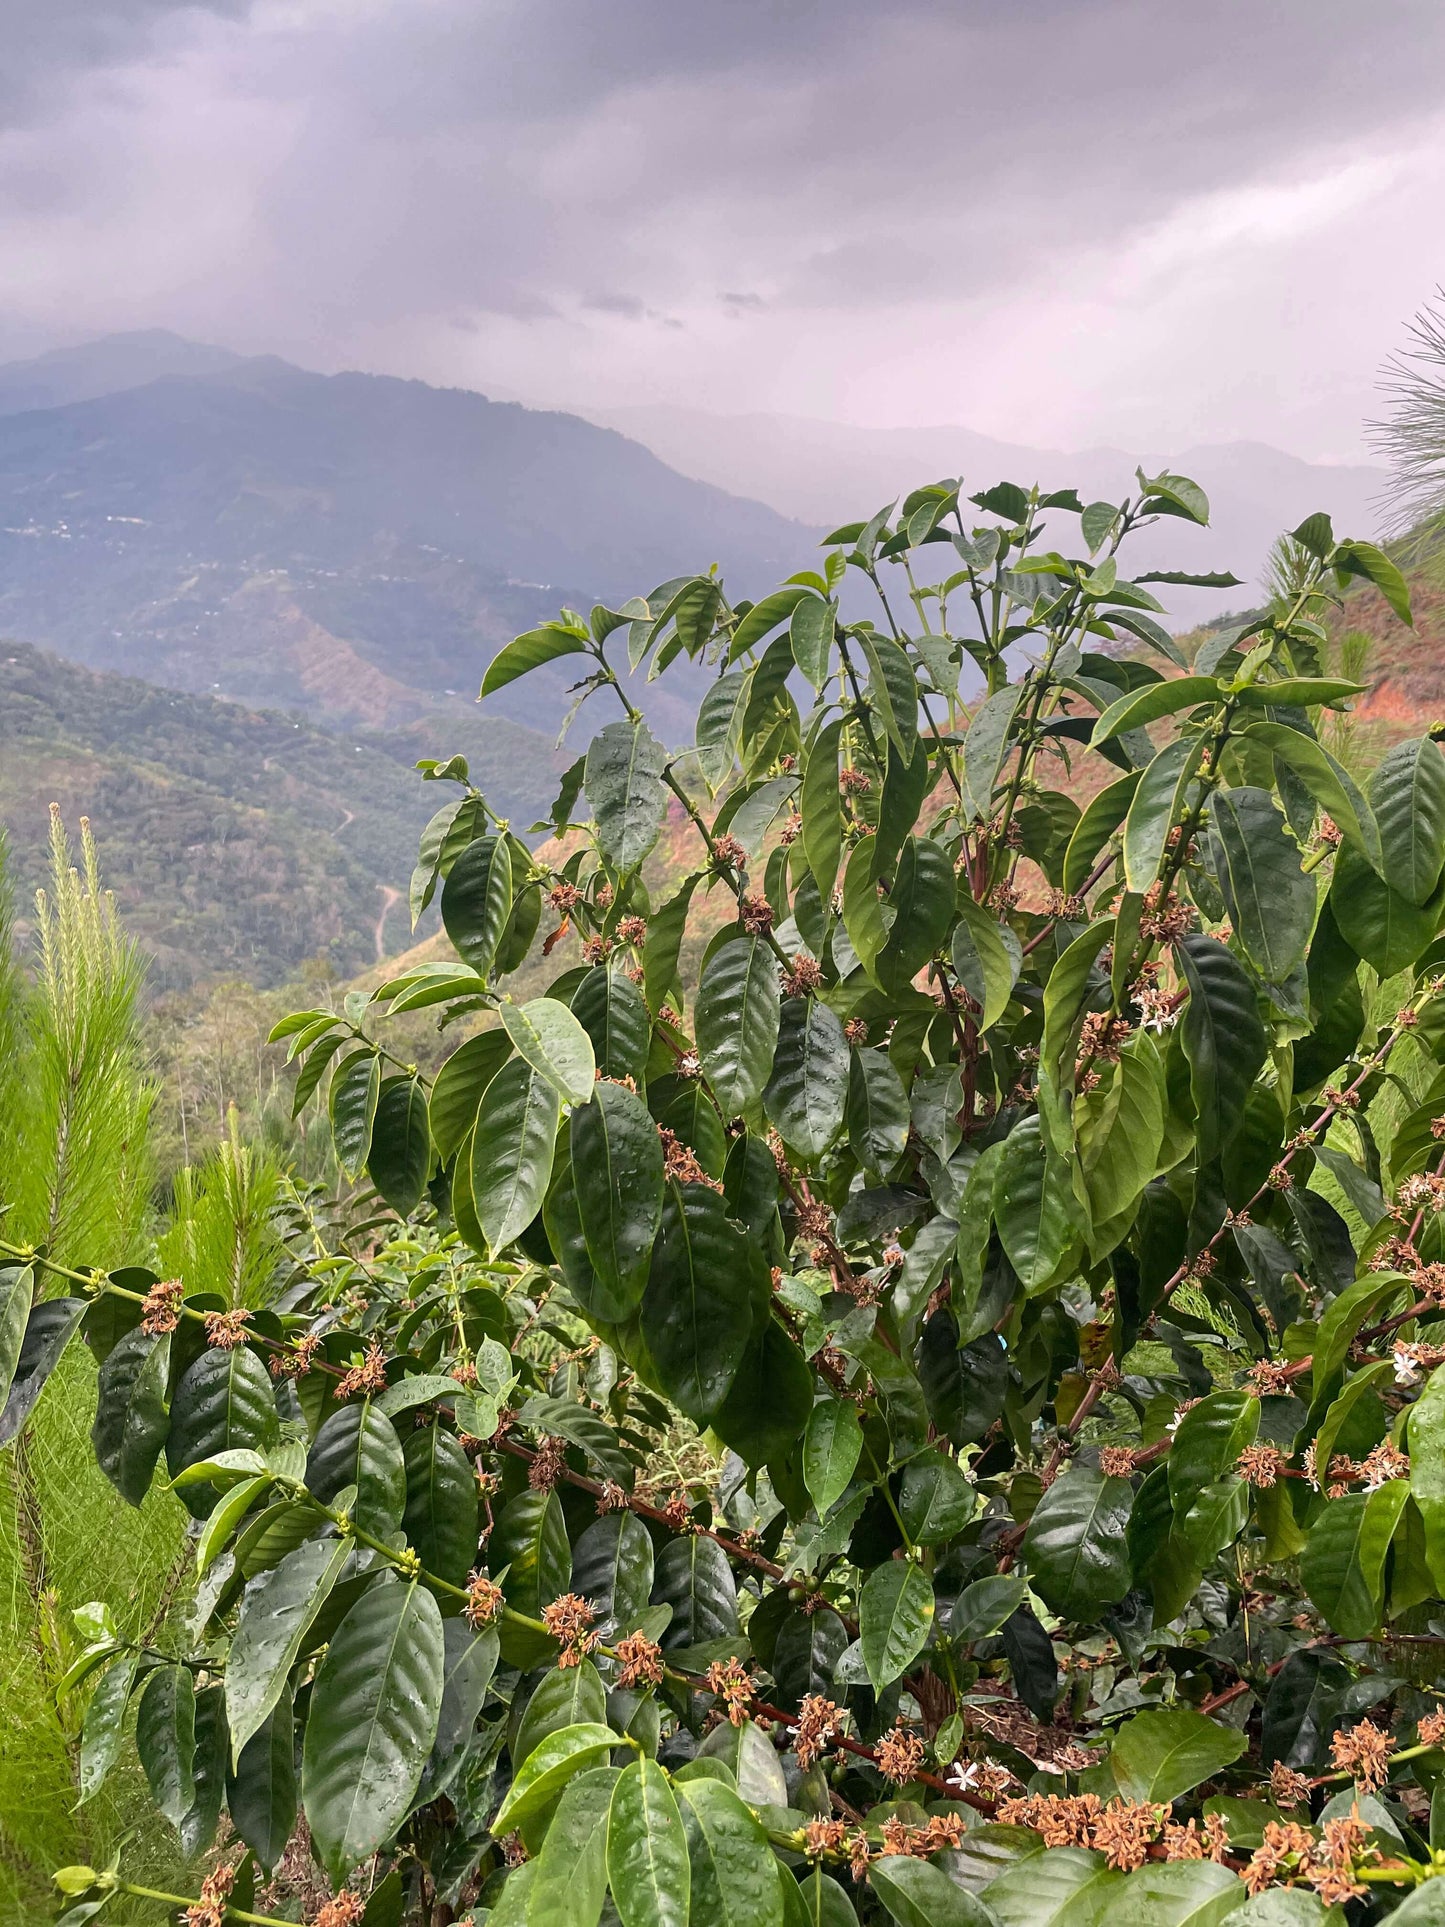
1095,212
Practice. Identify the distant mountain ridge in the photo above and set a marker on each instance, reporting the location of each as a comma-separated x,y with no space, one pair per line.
829,472
351,545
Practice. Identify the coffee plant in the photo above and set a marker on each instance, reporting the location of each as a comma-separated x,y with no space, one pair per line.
905,1385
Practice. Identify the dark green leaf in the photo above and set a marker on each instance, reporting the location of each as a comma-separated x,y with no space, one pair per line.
733,1880
1158,1755
1407,792
400,1156
530,651
165,1737
547,1036
647,1858
1065,1887
922,900
105,1723
477,900
133,1412
355,1090
1257,863
567,1697
225,1402
261,1793
624,785
918,1894
1156,807
374,1711
440,1520
275,1615
610,1008
807,1095
48,1331
571,1878
358,1447
694,1578
1075,1546
1223,1036
981,961
697,1311
612,1566
895,1616
1031,1204
617,1173
736,1020
511,1151
1342,1566
831,1449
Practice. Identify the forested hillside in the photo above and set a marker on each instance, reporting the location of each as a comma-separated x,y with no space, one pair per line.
238,842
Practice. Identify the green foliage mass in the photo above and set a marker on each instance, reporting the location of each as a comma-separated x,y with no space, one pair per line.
940,1422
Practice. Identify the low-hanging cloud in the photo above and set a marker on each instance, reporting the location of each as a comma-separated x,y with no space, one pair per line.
1074,220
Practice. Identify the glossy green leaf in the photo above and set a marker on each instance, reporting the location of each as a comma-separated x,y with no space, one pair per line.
1378,923
1157,806
225,1402
547,1035
1064,1887
400,1156
1102,816
1075,1547
355,1089
440,1520
1223,1036
918,1894
1343,1563
276,1614
612,1011
981,1608
821,809
1157,1755
529,652
736,1022
624,786
877,1111
732,1878
1207,1443
17,1289
358,1447
697,1310
1270,900
1031,1205
1328,782
895,1617
694,1579
612,1566
165,1737
261,1791
477,900
1407,792
571,1879
922,900
617,1172
984,749
832,1446
569,1696
935,1500
104,1723
511,1151
807,1095
133,1412
981,961
529,1542
373,1717
648,1867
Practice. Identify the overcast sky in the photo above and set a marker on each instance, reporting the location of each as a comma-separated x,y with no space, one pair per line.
1056,221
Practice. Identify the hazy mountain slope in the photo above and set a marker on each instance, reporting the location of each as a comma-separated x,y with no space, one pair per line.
104,367
828,472
237,842
348,544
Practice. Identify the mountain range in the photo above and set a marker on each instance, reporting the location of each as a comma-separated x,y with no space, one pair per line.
245,596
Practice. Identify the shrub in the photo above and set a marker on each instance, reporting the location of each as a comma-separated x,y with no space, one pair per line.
938,1418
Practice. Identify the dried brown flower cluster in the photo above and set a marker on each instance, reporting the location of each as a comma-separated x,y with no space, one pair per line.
226,1330
1280,1177
792,829
612,1497
1102,1037
632,930
756,913
854,782
368,1376
596,950
1123,1831
819,1723
727,850
1287,1788
1422,1192
297,1362
1268,1375
161,1311
1290,1852
899,1755
640,1661
1260,1465
677,1513
941,1830
342,1910
570,1622
210,1909
547,1462
730,1682
1364,1751
856,1031
1116,1461
805,975
1189,1843
484,1601
564,897
824,1836
1165,918
815,1220
679,1161
1431,1729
